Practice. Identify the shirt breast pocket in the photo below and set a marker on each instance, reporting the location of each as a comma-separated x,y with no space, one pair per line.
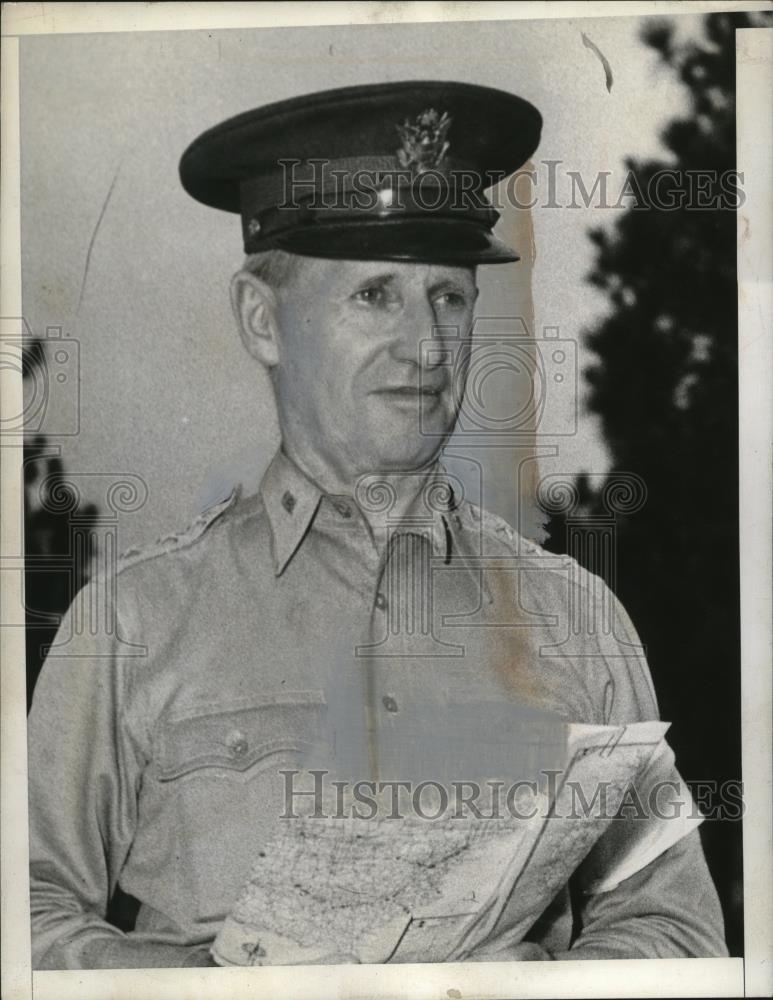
241,736
221,791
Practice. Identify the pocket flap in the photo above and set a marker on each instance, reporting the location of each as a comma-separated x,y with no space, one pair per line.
240,735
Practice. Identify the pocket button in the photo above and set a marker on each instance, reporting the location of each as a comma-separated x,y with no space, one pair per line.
237,743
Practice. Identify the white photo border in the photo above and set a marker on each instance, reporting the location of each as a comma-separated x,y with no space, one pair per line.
751,976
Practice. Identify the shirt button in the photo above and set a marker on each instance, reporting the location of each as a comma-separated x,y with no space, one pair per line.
389,703
344,509
288,502
381,601
237,744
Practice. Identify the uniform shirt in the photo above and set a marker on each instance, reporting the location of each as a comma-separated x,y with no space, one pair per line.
156,739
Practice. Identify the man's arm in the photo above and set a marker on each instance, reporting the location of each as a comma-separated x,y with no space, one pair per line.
669,909
85,767
645,890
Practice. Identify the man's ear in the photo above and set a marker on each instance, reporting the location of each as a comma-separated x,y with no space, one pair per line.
255,308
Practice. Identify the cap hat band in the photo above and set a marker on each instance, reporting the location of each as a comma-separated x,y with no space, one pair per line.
437,199
296,180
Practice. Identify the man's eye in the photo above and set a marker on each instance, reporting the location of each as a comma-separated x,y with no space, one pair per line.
452,300
370,296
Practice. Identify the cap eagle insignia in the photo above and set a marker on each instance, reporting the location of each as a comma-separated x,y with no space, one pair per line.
424,141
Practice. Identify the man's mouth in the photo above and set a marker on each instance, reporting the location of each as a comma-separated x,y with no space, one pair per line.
411,391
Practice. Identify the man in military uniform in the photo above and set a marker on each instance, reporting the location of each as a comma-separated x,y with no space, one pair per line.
155,747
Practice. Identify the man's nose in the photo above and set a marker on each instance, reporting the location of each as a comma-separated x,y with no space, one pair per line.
416,334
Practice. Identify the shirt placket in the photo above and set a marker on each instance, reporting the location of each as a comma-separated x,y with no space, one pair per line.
400,630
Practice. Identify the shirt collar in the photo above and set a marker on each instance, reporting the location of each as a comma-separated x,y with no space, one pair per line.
429,512
292,500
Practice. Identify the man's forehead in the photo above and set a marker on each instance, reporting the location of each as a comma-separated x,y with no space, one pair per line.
344,271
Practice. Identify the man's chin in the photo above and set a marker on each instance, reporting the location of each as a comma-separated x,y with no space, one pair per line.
394,457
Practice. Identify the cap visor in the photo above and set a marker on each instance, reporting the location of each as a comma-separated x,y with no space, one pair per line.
447,241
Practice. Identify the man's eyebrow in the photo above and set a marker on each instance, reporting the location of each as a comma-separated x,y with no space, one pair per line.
455,284
382,278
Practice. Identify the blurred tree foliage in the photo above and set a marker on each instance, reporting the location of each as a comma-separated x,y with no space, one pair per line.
665,388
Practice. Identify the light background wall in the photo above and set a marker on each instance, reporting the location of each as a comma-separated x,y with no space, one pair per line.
118,256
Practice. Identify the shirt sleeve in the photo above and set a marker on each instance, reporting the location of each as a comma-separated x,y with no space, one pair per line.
669,909
84,770
668,906
85,763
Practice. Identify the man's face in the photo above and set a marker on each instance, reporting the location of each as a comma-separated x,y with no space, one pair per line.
361,377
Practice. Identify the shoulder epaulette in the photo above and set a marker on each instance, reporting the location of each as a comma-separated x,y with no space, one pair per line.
498,526
181,539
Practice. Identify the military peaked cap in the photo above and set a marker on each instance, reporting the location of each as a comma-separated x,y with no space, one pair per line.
393,171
